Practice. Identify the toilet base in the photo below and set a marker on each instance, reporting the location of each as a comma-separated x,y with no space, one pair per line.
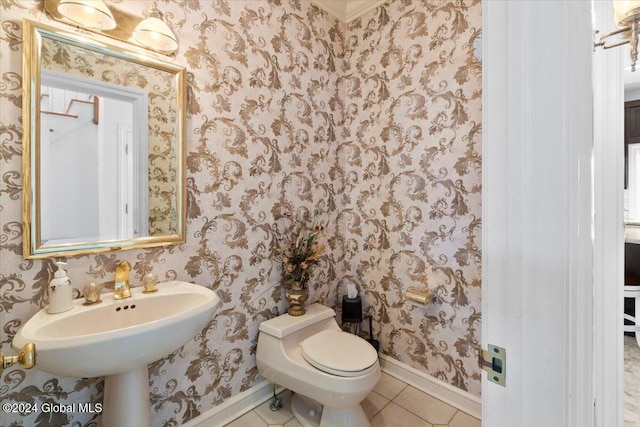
310,413
307,411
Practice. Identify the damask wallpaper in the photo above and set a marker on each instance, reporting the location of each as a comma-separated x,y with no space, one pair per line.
375,124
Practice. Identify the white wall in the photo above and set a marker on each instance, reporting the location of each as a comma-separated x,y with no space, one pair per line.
114,113
81,169
68,187
632,94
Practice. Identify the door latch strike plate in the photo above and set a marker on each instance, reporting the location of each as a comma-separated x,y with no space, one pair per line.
494,361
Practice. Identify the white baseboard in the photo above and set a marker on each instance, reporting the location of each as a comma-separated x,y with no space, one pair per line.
250,399
460,399
235,407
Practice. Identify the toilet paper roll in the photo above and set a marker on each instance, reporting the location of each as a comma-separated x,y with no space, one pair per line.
418,296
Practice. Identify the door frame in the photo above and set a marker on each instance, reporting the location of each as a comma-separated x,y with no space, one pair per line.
608,111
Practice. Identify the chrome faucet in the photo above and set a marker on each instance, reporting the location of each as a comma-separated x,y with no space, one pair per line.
121,287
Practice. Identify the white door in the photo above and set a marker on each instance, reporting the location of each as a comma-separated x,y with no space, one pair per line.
544,219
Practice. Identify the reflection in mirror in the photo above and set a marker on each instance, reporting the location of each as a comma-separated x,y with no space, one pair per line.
104,149
633,190
93,163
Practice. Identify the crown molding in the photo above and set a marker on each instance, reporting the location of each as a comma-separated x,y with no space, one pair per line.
347,10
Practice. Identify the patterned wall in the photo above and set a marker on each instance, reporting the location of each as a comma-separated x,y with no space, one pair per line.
412,203
376,124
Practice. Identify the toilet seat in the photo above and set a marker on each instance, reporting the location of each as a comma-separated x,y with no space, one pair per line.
339,353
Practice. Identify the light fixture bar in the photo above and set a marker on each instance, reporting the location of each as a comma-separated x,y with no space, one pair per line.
631,32
603,43
125,25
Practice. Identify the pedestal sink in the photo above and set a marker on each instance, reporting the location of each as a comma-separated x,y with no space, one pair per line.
117,339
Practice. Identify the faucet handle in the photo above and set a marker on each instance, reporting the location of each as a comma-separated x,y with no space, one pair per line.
92,294
150,281
26,358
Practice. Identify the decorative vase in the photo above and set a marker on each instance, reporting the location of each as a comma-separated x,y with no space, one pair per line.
296,298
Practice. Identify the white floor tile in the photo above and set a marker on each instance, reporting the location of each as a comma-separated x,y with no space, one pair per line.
392,404
389,386
293,423
373,404
425,406
395,416
461,419
250,419
631,382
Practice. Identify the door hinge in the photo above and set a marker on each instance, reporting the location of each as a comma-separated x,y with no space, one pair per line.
494,361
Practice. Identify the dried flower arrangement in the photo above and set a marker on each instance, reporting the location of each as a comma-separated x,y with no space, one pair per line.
302,254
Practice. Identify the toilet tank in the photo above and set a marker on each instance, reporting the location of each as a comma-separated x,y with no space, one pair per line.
285,325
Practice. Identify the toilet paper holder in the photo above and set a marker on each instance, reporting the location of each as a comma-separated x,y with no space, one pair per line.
419,296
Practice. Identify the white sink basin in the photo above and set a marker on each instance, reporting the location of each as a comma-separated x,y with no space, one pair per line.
118,338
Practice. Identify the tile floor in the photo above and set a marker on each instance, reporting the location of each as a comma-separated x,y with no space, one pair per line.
631,382
392,403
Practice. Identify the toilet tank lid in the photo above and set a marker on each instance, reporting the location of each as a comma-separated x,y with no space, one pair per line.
286,324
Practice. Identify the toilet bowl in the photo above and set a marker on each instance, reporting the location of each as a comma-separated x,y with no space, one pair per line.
329,371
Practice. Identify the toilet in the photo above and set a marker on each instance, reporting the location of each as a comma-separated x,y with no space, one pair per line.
329,371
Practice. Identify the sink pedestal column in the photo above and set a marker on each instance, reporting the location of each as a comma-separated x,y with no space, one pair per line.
126,399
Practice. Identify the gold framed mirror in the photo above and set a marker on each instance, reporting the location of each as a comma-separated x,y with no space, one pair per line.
103,146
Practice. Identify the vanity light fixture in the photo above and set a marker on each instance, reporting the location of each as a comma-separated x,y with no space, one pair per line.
149,32
627,17
154,33
93,14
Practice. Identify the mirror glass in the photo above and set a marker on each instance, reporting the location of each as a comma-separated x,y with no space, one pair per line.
103,146
633,189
